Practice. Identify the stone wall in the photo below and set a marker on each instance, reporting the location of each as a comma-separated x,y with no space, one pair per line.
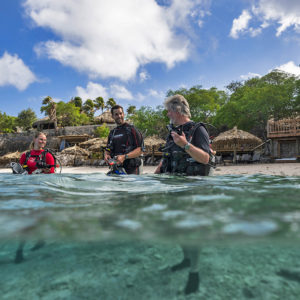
12,142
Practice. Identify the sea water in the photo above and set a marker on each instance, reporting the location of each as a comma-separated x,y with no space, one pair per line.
117,237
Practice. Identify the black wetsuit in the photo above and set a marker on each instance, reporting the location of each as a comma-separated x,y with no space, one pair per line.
122,140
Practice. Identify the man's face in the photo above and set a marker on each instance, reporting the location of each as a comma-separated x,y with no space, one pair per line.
173,116
118,116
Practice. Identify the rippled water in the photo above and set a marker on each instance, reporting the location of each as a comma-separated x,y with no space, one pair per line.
247,229
155,207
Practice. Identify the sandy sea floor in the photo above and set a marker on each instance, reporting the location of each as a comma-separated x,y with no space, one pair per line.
110,270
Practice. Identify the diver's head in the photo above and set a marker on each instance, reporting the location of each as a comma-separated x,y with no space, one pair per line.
117,113
39,141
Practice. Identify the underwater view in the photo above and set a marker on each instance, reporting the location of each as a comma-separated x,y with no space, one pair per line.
92,236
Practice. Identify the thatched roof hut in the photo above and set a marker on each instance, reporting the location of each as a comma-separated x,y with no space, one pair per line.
152,143
10,157
235,140
105,117
75,150
44,123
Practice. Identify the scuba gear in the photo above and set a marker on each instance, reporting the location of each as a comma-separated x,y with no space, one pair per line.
122,140
114,168
40,161
17,168
177,129
176,160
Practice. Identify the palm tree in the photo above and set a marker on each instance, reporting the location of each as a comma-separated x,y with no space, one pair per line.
99,103
50,110
110,103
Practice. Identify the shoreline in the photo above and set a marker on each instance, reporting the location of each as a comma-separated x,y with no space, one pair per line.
281,169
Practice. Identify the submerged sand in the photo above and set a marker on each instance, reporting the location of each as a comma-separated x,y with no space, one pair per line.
120,270
281,169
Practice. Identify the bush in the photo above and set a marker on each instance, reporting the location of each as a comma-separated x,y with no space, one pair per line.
102,131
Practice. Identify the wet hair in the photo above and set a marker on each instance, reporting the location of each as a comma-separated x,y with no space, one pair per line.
178,103
36,135
116,107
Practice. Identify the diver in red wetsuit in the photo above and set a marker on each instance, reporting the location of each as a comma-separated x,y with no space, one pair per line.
38,159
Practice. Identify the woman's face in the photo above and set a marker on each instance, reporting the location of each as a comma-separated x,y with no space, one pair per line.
40,142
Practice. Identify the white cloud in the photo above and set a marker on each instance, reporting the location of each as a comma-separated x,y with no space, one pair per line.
290,67
113,38
283,14
250,75
120,92
14,72
92,91
144,76
240,24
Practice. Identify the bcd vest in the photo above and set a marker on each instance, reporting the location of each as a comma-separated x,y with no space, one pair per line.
40,159
131,162
177,161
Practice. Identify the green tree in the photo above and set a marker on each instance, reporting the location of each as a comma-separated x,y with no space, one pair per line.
275,95
7,123
110,103
69,115
89,108
203,103
77,101
49,108
151,121
102,131
26,118
131,111
99,103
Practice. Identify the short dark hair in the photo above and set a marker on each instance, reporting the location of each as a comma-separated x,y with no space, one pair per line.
116,107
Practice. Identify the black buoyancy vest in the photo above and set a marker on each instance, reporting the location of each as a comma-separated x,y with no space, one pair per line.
177,161
132,162
41,157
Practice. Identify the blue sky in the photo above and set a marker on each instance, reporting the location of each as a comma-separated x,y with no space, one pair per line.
136,50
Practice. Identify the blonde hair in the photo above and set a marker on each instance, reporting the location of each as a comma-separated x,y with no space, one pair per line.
178,103
36,135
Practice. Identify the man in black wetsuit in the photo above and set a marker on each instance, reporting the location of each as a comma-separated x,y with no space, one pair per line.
187,152
187,148
124,143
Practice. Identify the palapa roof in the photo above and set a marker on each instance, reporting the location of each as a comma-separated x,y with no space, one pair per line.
105,117
12,155
45,120
235,135
75,150
153,141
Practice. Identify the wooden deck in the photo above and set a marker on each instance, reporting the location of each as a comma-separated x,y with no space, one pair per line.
283,128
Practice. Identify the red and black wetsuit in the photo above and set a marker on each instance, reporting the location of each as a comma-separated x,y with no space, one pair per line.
36,155
122,140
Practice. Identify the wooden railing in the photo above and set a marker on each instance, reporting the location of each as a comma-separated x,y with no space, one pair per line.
283,128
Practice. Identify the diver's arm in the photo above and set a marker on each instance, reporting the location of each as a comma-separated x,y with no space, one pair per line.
107,156
196,153
158,169
133,154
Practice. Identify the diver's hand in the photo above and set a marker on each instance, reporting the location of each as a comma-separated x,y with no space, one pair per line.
120,159
179,140
107,157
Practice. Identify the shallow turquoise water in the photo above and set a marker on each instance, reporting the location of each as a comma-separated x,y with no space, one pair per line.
246,229
152,207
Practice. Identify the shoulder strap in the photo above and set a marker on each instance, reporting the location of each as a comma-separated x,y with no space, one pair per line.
194,128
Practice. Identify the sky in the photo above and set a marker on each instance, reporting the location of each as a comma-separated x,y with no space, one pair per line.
136,50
